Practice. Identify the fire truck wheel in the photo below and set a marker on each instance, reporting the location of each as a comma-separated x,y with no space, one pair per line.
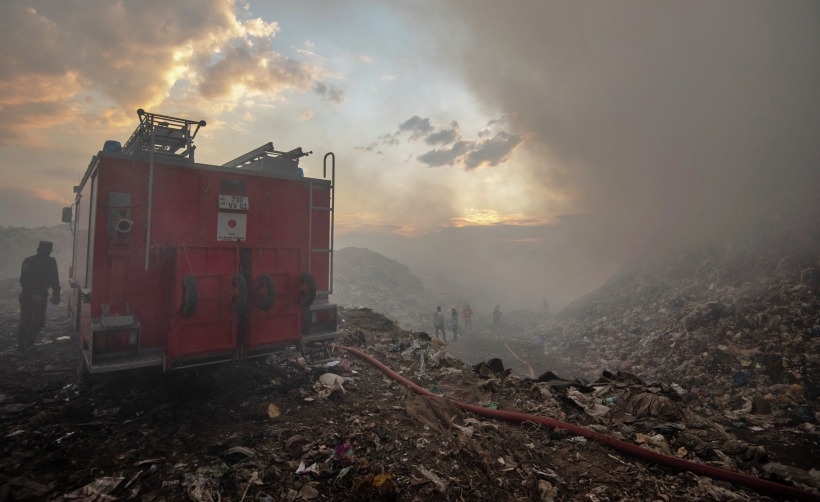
307,289
266,283
240,302
189,296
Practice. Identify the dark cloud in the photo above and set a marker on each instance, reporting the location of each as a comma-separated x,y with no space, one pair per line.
443,137
390,139
492,152
469,154
331,93
416,126
446,156
473,154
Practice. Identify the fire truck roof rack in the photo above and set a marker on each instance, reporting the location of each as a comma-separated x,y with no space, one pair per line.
163,135
254,156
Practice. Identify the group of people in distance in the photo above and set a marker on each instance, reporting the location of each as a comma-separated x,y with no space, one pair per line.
440,319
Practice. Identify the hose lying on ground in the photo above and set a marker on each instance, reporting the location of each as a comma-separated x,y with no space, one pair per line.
621,446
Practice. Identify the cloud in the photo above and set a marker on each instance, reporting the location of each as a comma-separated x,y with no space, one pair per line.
474,154
389,139
416,126
494,151
467,153
127,56
444,136
330,93
446,156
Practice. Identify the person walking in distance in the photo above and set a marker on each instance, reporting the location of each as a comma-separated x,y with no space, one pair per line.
454,323
438,323
467,314
497,320
37,275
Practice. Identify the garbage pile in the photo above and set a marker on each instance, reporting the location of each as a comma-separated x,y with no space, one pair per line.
364,278
736,336
293,427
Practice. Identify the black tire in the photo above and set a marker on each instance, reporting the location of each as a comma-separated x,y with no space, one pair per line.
240,302
307,289
189,296
265,302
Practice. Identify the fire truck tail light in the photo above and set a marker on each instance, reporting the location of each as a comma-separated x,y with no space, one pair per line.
323,316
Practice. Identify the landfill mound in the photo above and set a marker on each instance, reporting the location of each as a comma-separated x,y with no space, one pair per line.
301,426
365,278
736,332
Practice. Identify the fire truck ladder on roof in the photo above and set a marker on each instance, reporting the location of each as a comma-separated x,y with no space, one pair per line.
163,135
330,208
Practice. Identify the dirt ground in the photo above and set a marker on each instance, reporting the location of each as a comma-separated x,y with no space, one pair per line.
265,430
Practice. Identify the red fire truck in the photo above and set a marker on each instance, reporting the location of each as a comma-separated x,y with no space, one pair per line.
177,263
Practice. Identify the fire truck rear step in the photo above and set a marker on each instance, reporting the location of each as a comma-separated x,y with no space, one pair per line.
145,359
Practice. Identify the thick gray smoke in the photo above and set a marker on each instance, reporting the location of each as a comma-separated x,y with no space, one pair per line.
672,123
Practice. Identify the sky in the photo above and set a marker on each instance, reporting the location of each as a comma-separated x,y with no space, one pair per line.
527,150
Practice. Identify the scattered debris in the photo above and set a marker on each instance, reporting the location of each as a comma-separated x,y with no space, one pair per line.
651,361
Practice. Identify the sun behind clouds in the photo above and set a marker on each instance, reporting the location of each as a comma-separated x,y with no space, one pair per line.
489,217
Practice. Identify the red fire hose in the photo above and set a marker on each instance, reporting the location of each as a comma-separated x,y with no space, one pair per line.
630,449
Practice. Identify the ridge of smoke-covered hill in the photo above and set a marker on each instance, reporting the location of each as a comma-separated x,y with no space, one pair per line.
16,243
691,274
365,278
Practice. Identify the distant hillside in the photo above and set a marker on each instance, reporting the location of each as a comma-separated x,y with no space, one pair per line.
16,243
364,278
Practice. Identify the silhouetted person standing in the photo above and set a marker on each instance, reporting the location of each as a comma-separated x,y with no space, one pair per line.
497,320
37,275
467,314
438,323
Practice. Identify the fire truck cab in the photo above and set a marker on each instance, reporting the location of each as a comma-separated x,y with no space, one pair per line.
177,263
